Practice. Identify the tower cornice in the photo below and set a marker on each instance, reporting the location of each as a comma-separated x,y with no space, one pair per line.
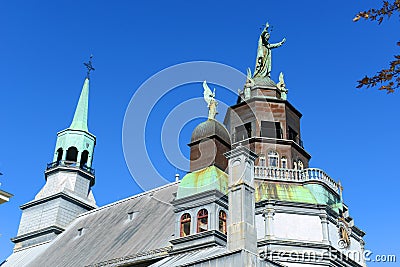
267,99
63,195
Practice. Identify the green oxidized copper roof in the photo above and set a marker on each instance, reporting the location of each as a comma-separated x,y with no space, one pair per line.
210,178
283,192
302,193
81,113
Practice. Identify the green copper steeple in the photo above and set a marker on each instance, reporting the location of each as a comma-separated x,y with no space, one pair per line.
75,145
80,119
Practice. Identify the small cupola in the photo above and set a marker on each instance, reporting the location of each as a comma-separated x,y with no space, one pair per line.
210,140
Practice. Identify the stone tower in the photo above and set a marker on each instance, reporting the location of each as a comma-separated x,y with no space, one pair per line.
269,125
69,178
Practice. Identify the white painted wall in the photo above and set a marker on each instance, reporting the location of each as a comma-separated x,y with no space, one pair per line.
260,226
297,227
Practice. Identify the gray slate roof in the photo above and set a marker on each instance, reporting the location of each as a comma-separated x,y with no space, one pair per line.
24,256
109,236
191,257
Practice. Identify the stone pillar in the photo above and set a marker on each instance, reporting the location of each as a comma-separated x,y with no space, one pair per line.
325,230
269,213
241,220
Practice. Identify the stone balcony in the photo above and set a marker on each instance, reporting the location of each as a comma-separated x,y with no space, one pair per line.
296,176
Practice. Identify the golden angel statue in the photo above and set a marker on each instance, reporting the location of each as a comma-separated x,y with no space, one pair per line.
212,104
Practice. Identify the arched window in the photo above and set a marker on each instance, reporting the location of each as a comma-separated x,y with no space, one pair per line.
300,165
202,221
222,222
185,224
59,154
294,165
284,162
72,154
84,158
273,158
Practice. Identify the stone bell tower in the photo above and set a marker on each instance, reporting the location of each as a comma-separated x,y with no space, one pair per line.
263,119
69,178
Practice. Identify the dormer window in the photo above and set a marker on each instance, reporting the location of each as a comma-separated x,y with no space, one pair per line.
131,215
202,221
273,159
222,222
80,231
185,224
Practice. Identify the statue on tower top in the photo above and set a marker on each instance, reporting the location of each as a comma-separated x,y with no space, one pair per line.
263,61
212,104
282,87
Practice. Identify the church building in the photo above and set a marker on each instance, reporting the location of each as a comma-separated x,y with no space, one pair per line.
251,197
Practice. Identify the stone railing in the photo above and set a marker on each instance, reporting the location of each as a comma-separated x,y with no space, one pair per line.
66,163
291,175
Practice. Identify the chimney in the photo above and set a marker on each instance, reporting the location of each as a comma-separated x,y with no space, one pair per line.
241,220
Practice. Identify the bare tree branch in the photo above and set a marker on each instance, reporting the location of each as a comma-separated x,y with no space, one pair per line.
388,79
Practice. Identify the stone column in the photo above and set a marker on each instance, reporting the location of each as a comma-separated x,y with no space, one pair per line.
325,229
269,213
241,220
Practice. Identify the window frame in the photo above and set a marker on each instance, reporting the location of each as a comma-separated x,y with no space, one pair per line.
222,228
273,155
202,214
182,222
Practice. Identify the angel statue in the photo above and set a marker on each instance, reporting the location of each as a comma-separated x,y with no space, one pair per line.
249,83
209,97
282,87
263,61
247,86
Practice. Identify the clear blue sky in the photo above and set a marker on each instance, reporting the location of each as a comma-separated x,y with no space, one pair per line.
351,133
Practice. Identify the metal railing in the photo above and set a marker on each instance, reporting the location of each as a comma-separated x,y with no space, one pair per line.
67,163
291,175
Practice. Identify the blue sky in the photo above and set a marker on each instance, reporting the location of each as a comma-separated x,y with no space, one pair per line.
351,133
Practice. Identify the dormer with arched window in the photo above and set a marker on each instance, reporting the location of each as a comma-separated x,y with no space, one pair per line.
185,223
202,221
222,222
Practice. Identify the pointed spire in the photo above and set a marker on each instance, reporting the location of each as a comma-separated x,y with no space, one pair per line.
81,113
